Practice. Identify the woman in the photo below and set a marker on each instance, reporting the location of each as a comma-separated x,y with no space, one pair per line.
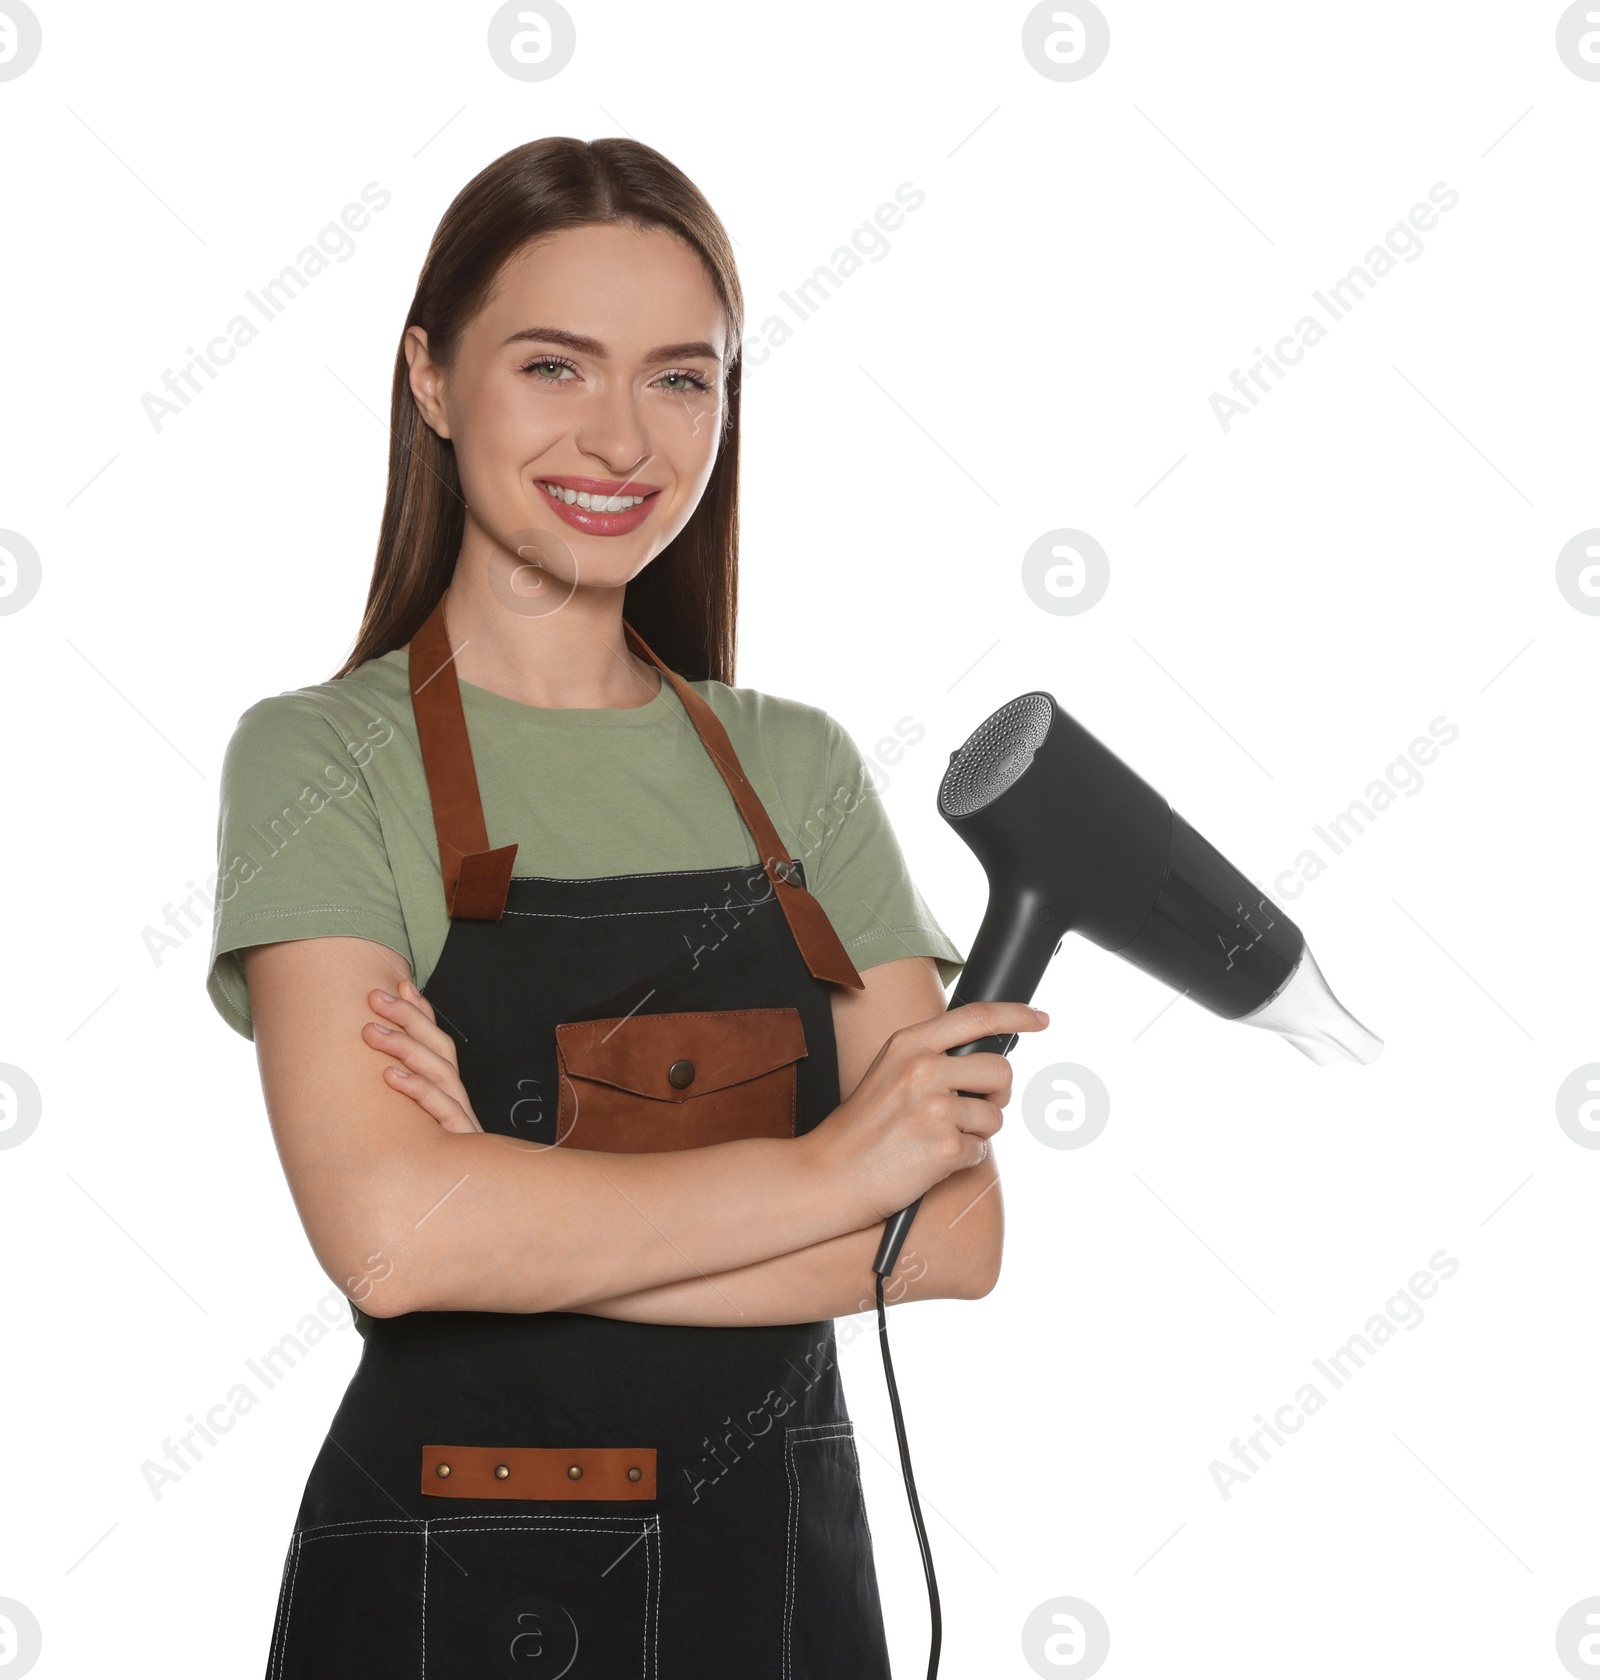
598,1210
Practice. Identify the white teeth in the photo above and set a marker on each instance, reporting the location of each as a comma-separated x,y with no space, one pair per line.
595,504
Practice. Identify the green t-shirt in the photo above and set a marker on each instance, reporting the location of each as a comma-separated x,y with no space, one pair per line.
325,826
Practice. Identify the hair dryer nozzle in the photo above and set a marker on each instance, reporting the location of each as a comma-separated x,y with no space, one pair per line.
1306,1013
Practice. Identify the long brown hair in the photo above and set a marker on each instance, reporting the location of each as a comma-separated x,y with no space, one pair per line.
684,603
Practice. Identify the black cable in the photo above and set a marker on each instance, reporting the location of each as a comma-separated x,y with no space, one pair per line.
911,1490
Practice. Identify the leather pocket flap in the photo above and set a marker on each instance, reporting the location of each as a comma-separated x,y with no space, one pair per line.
676,1057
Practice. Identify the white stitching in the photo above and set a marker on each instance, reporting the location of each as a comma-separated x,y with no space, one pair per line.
835,1430
424,1600
360,1534
611,915
531,1523
647,874
366,1522
283,1638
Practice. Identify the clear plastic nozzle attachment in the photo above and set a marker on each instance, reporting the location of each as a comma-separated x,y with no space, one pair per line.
1305,1012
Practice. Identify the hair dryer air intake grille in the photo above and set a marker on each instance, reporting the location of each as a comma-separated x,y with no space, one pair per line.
995,754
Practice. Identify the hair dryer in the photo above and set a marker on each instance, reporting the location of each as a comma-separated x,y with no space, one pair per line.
1073,841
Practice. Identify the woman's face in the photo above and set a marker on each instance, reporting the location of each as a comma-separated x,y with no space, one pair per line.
595,368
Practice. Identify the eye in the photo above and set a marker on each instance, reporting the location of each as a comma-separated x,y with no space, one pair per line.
696,383
540,362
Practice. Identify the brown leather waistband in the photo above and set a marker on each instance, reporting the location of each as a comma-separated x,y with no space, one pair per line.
539,1472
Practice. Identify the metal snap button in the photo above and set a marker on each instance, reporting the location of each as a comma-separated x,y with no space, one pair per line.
441,1470
634,1472
502,1471
574,1471
680,1074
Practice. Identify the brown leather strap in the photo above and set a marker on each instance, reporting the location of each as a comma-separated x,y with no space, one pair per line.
539,1472
821,947
476,879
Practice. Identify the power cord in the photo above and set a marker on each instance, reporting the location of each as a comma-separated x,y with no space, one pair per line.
911,1490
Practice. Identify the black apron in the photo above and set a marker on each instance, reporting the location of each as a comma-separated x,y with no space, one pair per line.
556,1494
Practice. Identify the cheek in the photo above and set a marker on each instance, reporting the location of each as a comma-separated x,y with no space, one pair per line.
690,435
501,430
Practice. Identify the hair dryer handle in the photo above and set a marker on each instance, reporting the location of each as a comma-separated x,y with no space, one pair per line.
894,1230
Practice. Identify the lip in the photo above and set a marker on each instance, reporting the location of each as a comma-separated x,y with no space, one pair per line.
600,524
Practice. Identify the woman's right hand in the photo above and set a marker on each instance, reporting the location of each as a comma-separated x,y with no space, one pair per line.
906,1126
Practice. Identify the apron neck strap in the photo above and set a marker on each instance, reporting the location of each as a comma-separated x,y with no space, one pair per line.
477,877
821,947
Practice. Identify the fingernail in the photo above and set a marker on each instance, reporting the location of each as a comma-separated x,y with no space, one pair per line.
381,1027
388,997
1044,1019
400,1072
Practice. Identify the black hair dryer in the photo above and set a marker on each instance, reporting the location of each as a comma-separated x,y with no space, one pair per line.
1074,842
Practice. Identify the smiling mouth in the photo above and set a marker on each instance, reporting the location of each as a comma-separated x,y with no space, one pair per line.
591,502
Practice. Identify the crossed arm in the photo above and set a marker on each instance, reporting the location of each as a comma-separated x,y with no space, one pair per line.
725,1236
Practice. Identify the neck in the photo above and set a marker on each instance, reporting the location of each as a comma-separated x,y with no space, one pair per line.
551,648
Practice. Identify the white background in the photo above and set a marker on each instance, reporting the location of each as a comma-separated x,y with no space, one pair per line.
1290,603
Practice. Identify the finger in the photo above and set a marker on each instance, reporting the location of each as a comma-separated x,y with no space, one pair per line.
973,1021
408,990
979,1118
984,1072
411,1019
431,1100
417,1057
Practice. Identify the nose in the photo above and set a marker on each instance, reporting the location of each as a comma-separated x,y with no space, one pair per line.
611,430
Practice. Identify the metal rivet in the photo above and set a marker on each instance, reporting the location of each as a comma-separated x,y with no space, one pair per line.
681,1073
634,1472
574,1471
441,1469
502,1471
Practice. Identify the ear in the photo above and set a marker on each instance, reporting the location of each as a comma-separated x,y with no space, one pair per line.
426,380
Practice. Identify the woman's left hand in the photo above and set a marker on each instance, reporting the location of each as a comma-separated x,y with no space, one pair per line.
429,1076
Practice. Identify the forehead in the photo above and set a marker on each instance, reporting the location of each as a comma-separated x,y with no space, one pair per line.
630,288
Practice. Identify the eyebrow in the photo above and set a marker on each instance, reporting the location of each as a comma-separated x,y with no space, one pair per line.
593,347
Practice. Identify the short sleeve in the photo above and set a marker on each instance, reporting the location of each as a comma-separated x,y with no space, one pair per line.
300,849
859,873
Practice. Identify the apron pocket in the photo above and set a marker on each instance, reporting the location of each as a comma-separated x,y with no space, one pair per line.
634,1084
539,1597
832,1613
351,1603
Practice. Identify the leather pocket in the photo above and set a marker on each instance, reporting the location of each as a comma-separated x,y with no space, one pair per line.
634,1084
